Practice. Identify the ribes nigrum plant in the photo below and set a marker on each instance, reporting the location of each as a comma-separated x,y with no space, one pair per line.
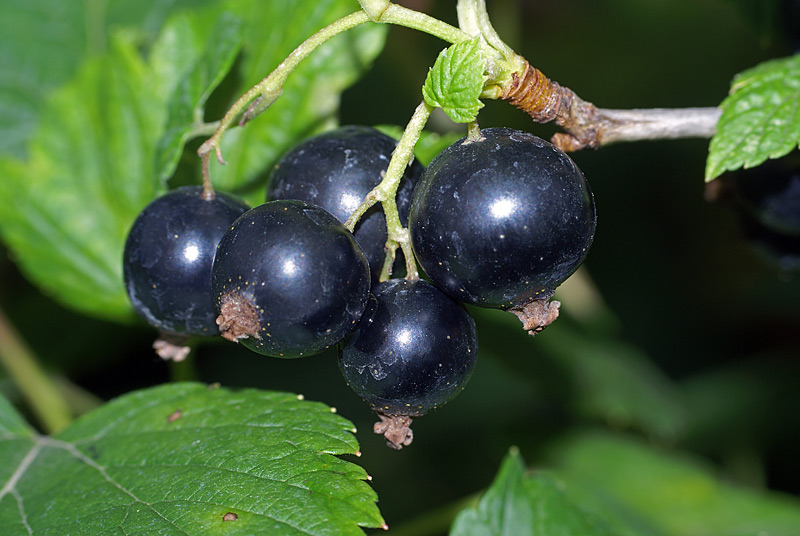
336,170
288,280
168,257
413,350
502,220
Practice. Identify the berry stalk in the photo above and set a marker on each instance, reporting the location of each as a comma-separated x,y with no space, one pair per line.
261,96
386,191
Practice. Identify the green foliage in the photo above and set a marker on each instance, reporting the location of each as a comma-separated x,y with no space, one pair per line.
608,484
310,98
646,490
109,139
519,504
68,32
616,382
760,118
455,81
178,459
100,109
597,375
89,172
203,67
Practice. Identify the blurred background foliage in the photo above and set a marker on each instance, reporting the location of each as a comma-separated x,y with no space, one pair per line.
676,336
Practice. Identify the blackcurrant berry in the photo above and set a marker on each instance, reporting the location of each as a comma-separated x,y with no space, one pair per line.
502,221
168,256
413,350
771,193
336,170
288,280
780,251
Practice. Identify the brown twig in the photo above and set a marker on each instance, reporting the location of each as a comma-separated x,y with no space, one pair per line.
586,125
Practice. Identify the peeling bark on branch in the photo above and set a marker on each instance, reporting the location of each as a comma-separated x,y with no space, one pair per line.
586,125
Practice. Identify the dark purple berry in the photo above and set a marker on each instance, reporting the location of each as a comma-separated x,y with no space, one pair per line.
502,221
780,251
168,256
413,350
336,170
288,280
771,193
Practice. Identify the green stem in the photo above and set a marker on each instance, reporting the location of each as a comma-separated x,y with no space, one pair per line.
261,96
269,89
386,191
41,394
403,16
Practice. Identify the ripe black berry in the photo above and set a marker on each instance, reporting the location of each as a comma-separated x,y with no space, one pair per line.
288,280
771,193
413,350
779,250
168,256
336,170
502,221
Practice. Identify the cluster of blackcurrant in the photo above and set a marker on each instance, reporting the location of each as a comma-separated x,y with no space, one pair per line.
496,221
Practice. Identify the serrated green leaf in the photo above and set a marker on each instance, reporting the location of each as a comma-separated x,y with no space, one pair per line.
90,171
188,459
310,98
455,81
517,504
760,118
203,74
648,490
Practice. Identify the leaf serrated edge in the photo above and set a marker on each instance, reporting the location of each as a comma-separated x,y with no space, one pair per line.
748,82
449,61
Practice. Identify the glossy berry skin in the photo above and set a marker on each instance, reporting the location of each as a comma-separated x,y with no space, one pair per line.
289,280
413,350
780,251
771,193
336,170
168,256
502,221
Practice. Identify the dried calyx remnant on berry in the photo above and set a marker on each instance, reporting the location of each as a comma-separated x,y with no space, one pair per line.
413,351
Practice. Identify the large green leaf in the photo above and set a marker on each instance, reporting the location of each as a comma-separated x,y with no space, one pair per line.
42,43
760,118
518,505
188,459
90,170
646,490
206,63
